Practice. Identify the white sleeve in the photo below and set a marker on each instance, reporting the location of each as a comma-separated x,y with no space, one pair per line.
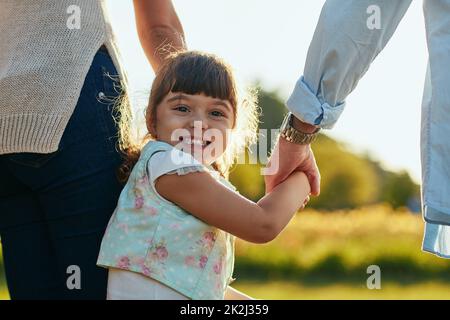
172,161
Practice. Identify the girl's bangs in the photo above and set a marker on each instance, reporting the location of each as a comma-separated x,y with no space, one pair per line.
204,77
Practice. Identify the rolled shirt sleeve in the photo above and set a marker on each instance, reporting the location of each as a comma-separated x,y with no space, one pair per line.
346,41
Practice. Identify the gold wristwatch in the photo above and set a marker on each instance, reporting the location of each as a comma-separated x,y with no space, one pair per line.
293,135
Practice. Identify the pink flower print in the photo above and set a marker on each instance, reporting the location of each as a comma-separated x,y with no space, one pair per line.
217,267
138,202
209,238
161,252
124,262
189,261
143,180
203,261
145,270
151,211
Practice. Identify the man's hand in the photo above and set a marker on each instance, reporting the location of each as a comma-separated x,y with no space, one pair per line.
289,157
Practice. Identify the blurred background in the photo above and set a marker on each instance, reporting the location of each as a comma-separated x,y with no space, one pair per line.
368,212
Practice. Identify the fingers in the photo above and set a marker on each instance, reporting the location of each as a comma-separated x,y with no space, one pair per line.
272,181
314,181
277,171
288,157
306,200
305,203
313,175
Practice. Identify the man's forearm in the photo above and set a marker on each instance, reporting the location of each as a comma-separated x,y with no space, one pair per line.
343,47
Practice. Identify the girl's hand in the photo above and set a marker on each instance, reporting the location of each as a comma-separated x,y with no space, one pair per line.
305,203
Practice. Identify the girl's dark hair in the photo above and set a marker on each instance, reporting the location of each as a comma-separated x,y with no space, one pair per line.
189,72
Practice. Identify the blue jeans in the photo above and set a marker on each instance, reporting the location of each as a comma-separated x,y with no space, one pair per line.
54,208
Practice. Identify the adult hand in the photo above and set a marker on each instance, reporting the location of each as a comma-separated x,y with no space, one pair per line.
288,157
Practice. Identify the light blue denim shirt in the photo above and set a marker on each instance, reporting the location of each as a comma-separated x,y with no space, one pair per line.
341,51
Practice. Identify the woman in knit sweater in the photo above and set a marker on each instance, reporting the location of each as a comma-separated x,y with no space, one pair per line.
59,69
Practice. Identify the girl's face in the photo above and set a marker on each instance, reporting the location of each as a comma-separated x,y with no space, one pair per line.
196,124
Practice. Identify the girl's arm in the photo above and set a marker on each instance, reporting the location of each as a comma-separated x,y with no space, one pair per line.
207,199
233,294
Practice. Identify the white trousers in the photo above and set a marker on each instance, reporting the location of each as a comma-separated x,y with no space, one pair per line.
128,285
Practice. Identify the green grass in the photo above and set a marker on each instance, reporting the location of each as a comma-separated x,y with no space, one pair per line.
325,255
3,290
342,244
283,290
4,293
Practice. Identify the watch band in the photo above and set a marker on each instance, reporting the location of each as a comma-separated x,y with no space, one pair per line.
293,135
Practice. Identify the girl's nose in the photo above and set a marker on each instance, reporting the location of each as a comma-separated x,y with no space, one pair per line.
199,122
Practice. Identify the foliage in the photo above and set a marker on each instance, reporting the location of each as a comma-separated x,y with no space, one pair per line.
349,180
340,247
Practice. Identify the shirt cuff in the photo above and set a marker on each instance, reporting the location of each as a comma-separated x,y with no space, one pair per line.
436,240
305,105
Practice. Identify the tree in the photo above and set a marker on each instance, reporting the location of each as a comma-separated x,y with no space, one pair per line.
348,179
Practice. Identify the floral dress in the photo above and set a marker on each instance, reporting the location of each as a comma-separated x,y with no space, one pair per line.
149,235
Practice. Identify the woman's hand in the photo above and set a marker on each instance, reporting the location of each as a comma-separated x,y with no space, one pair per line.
159,29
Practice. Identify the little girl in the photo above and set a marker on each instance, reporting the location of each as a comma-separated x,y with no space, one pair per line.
172,233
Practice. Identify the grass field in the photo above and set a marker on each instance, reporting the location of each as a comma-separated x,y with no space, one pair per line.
283,290
4,294
325,255
3,290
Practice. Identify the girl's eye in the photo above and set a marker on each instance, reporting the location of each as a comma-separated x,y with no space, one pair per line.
217,114
182,108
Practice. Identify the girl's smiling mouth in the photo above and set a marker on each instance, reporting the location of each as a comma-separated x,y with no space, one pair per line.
192,141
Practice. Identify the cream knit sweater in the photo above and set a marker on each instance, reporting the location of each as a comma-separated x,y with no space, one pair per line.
43,64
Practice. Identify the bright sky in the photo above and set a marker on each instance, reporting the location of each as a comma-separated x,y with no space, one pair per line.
268,40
